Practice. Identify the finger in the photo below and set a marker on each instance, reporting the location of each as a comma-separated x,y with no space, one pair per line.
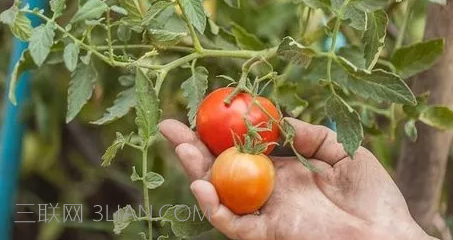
193,162
233,226
315,141
177,133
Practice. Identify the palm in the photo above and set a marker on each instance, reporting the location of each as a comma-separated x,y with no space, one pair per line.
340,201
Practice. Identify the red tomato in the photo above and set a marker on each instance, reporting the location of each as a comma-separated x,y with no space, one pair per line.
215,119
243,181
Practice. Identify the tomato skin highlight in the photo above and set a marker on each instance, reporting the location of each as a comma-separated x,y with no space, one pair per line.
244,182
216,120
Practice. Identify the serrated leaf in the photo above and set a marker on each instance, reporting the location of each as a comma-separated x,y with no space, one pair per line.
378,85
292,51
440,117
155,10
288,98
119,10
193,226
18,22
411,130
25,63
246,40
80,89
134,175
161,35
374,37
92,9
153,180
147,106
9,15
418,57
41,40
123,103
353,54
194,89
133,9
71,56
358,18
111,151
370,5
349,128
196,15
57,7
122,218
233,3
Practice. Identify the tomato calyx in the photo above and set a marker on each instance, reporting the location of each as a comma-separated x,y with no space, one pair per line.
253,142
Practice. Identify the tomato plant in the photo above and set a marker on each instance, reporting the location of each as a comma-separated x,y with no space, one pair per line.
285,51
217,121
243,181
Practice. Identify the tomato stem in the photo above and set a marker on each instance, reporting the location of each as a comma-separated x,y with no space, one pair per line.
145,189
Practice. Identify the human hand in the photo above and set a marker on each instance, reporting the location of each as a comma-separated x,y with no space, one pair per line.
348,199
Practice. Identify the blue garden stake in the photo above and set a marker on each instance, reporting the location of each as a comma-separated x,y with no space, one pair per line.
12,132
341,41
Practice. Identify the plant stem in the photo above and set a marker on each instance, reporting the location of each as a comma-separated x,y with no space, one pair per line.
193,34
402,31
145,189
334,45
109,38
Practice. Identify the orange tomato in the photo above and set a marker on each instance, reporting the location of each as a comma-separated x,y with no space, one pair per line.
243,181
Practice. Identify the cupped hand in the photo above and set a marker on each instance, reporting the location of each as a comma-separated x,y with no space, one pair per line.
347,199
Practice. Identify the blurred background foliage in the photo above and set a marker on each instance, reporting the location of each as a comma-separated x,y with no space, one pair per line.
61,163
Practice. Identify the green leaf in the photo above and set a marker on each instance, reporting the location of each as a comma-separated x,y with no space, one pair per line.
122,218
111,151
287,96
92,9
374,37
155,10
124,33
196,15
153,180
135,176
80,89
123,103
41,40
162,237
411,130
133,9
57,7
25,63
349,128
370,5
71,56
119,10
246,40
19,24
194,89
323,4
22,27
127,80
292,51
9,16
233,3
358,18
418,57
195,224
147,106
440,117
378,85
353,54
318,70
162,36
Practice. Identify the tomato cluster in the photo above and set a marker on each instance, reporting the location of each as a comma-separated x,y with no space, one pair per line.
243,181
